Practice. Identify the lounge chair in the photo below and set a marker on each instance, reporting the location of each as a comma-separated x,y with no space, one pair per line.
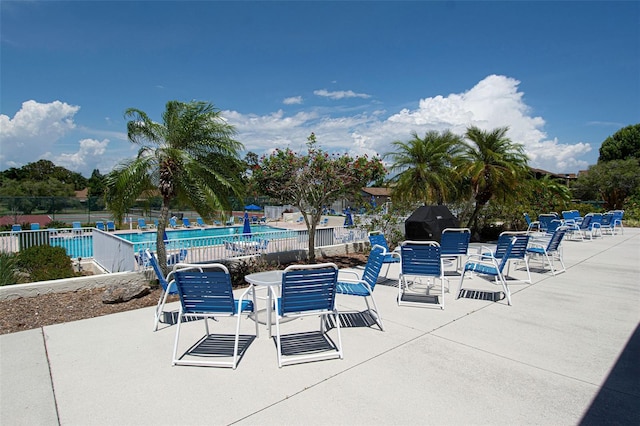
168,288
100,225
421,265
15,228
454,244
200,222
174,258
230,222
205,292
376,238
490,266
111,226
364,284
142,224
518,252
307,290
186,222
550,251
34,226
173,223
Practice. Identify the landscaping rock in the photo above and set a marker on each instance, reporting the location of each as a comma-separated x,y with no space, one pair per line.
123,292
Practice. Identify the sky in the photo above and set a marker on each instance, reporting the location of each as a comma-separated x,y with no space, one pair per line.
563,76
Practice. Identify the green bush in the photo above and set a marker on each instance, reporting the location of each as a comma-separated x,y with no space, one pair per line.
7,268
42,263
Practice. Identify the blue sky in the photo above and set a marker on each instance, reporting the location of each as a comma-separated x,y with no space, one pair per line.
562,75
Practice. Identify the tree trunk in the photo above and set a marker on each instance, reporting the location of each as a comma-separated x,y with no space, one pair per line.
162,226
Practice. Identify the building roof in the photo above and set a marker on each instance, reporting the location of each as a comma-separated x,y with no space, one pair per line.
377,192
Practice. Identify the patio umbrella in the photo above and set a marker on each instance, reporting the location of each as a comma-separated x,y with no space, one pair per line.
246,229
252,207
348,219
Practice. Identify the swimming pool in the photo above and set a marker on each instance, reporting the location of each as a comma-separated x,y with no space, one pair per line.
82,245
181,234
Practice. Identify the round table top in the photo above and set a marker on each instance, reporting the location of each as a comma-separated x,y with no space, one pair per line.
268,278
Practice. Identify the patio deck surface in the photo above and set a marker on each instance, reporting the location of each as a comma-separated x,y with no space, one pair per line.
567,352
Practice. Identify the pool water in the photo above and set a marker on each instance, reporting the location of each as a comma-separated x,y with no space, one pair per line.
180,234
82,246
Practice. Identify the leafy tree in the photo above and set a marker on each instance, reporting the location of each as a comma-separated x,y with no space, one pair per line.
425,165
314,180
190,157
493,164
612,181
623,144
546,194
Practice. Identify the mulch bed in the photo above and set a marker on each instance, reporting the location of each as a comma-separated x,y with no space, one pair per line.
33,312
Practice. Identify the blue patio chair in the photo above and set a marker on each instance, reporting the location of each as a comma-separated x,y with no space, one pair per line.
142,224
111,226
607,225
550,251
186,222
454,244
206,292
420,260
591,224
376,238
168,288
618,215
230,221
34,226
363,285
200,222
143,259
545,220
173,223
531,225
16,228
76,228
518,252
180,256
307,290
100,225
489,266
571,217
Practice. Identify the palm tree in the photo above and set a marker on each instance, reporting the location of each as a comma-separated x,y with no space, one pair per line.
190,157
425,165
493,164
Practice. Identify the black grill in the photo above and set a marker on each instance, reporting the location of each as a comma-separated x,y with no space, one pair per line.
428,222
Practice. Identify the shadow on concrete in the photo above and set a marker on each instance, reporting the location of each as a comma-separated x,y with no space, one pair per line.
618,401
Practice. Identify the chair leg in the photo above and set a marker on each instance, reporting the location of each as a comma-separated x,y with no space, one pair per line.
460,284
337,320
159,309
507,292
376,316
174,359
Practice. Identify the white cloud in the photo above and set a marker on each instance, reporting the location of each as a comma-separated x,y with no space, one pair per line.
493,102
340,94
89,153
33,130
41,130
294,100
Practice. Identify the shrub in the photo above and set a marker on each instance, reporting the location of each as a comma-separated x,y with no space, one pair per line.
43,263
7,268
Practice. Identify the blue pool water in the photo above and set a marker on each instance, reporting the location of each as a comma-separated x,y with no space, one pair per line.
180,234
82,246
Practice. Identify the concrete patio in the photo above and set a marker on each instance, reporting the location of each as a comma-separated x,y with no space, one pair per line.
566,352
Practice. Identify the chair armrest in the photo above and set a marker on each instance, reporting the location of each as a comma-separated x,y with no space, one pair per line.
348,273
347,281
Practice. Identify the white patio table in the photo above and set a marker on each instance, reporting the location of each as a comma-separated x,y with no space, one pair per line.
266,279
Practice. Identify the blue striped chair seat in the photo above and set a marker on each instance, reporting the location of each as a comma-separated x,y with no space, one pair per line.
389,258
353,289
481,268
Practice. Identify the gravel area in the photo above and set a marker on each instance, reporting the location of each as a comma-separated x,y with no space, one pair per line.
34,312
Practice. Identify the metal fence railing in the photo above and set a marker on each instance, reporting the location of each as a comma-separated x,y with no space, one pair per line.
116,254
